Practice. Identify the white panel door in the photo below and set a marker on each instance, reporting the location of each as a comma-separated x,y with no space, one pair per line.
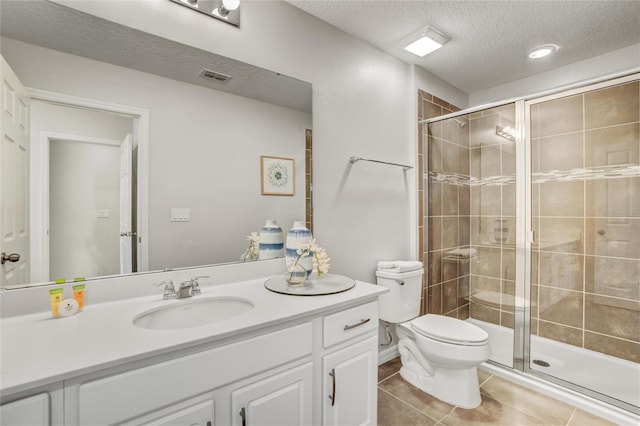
350,385
14,179
126,233
280,400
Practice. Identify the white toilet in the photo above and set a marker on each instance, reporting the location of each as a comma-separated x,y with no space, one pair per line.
439,354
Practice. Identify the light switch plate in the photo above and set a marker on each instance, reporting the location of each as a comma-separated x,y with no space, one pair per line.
180,215
102,213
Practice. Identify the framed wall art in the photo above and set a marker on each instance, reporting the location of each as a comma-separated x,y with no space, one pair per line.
277,175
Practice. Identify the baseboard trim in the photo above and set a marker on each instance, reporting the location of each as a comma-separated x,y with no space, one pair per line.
387,354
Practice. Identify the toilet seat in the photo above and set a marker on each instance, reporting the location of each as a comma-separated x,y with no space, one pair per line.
449,330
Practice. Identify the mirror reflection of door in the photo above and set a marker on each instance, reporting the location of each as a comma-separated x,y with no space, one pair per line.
85,177
86,216
14,180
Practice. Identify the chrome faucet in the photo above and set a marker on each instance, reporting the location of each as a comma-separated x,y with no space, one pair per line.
190,287
169,289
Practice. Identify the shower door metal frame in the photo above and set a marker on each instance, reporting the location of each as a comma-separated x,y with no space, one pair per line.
524,239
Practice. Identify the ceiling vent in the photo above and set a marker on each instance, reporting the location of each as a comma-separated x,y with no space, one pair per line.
212,75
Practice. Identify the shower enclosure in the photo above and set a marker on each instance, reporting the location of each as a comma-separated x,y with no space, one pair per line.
532,232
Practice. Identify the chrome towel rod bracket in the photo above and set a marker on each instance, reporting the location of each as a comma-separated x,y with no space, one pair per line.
404,167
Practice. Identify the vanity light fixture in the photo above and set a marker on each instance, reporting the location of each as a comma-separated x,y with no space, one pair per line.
424,41
542,51
226,7
224,10
506,132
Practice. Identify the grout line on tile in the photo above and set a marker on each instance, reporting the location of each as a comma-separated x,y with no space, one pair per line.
406,403
388,377
449,412
486,380
447,415
571,416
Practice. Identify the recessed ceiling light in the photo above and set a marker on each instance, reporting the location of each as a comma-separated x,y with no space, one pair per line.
424,41
542,51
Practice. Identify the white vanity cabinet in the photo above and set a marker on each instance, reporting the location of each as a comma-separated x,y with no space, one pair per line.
305,369
349,366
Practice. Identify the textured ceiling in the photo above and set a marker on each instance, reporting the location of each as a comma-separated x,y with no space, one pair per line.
489,39
60,28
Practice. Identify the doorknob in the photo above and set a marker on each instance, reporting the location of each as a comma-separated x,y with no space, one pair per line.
13,257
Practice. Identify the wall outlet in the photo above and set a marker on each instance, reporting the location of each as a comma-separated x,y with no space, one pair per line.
180,215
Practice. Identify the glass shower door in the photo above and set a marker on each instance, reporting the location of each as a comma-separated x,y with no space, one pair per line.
471,222
585,258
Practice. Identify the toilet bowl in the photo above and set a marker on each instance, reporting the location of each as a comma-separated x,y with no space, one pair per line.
439,354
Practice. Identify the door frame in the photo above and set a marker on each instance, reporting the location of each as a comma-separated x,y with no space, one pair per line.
140,117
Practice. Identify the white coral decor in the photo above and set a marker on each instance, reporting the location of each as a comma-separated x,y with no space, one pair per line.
320,257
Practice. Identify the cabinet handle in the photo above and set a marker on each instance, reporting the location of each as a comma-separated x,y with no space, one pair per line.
362,322
243,416
332,397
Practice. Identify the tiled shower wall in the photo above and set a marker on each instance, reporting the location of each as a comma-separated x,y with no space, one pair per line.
471,188
430,106
493,214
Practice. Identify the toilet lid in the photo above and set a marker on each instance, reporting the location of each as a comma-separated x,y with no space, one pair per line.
449,330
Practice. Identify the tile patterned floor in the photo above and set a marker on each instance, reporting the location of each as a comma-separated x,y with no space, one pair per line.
503,403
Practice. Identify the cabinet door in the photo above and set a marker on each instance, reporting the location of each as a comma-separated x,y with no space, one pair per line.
31,411
349,385
196,415
280,400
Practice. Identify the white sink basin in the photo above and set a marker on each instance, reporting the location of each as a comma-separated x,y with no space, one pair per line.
193,313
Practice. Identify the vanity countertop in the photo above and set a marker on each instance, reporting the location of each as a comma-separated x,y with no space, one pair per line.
37,349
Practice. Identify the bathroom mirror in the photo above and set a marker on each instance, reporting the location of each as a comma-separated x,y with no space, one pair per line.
205,136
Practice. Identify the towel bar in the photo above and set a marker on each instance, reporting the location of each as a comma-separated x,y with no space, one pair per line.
404,167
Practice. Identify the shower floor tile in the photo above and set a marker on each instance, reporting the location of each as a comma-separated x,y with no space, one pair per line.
503,403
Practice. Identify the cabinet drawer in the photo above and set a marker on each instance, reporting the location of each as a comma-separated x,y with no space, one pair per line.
344,325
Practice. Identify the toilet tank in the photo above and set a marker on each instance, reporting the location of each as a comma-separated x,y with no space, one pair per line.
402,302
